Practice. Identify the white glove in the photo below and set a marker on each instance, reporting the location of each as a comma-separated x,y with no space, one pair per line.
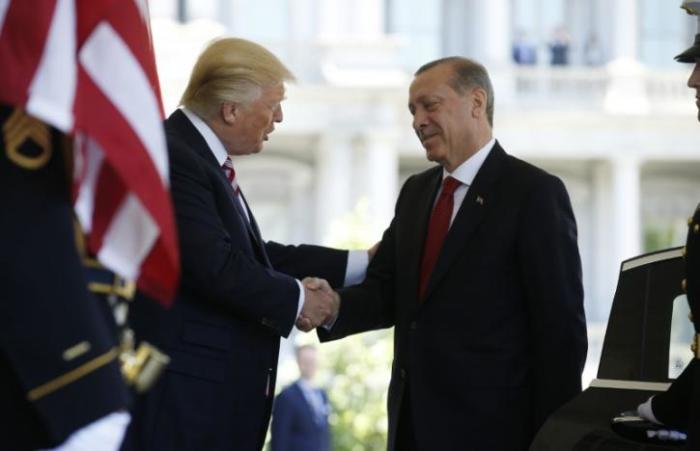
105,434
644,411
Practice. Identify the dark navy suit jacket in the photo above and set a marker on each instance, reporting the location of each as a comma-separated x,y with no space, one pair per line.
499,341
296,426
223,331
58,362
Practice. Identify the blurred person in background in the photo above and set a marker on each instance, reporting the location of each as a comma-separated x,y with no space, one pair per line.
300,411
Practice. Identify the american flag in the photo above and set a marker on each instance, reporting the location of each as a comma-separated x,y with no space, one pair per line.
87,68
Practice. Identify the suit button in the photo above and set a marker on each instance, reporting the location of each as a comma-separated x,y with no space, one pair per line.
413,325
684,285
696,228
402,373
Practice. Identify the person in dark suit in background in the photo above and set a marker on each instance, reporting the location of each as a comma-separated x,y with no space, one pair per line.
679,406
479,273
300,411
239,294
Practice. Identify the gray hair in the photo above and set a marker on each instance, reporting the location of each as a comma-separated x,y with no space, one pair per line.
467,74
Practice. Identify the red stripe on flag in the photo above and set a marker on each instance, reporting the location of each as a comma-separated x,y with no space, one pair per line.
22,41
89,13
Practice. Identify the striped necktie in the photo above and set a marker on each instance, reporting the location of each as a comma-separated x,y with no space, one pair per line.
231,175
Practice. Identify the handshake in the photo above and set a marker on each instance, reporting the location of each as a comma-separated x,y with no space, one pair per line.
321,304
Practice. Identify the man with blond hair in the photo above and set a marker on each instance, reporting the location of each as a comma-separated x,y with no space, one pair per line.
239,294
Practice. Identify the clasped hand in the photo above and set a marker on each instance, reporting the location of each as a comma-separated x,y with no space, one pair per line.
321,304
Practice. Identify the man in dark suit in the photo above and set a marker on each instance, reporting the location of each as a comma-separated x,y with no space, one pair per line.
300,411
60,381
239,294
479,273
679,406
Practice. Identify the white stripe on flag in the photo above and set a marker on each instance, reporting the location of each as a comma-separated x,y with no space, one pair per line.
52,92
129,238
4,4
142,6
85,203
110,63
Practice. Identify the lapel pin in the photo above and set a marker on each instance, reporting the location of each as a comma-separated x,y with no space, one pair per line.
479,200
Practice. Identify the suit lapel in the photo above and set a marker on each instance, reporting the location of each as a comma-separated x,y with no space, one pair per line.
305,402
189,133
480,197
417,229
255,231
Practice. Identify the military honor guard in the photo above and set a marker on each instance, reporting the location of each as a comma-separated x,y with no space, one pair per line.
71,161
58,355
679,406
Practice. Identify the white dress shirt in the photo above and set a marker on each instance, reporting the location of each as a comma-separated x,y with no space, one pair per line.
465,173
314,398
357,260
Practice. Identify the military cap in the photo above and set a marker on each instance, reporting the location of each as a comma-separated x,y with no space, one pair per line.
692,53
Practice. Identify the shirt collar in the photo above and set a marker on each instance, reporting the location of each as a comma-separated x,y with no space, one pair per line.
304,384
466,171
214,143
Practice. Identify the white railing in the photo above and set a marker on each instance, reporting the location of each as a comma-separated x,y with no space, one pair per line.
588,88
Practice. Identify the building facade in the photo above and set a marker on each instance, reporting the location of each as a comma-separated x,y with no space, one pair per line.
597,99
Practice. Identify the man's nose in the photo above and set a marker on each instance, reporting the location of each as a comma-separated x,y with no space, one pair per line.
279,115
418,121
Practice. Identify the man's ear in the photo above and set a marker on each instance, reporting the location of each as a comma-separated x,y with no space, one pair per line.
228,112
479,99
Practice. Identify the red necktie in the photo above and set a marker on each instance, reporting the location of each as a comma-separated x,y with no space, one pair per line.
437,230
231,175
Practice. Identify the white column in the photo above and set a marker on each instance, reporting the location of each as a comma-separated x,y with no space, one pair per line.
497,16
477,29
606,263
625,28
626,93
626,207
469,29
236,22
377,180
302,41
333,181
224,12
458,31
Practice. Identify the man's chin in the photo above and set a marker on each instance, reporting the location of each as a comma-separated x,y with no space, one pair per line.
432,153
249,151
